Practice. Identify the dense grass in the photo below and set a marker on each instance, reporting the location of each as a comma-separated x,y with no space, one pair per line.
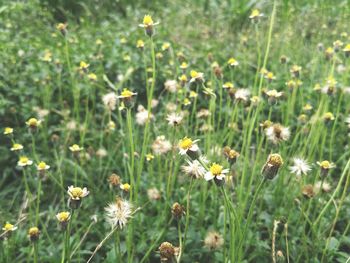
260,216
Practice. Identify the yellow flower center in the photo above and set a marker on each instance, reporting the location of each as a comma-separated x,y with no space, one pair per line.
17,146
269,75
60,26
33,231
147,20
42,165
76,192
140,43
328,116
75,147
32,122
183,78
127,93
126,187
255,13
325,164
23,159
231,61
83,65
8,227
216,169
8,130
186,143
275,159
63,216
194,74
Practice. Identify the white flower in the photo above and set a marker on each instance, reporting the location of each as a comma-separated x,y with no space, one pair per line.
186,144
194,169
110,100
277,133
24,161
118,213
77,193
142,115
171,85
161,145
174,119
242,94
216,171
299,167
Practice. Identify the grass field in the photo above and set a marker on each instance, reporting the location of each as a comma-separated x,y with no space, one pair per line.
175,131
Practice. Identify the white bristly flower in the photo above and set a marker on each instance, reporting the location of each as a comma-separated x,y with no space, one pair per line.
277,133
299,167
194,169
118,213
110,100
174,119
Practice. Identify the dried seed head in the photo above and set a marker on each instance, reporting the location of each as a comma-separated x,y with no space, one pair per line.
177,210
213,240
114,179
33,234
167,251
272,165
308,191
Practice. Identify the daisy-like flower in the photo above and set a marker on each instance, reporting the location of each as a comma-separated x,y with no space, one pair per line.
325,167
194,169
299,167
189,147
183,79
8,228
119,213
308,191
63,219
242,95
295,71
228,85
171,86
346,50
126,96
216,172
328,116
255,100
92,76
272,165
33,234
270,76
42,167
231,154
148,25
125,187
165,46
307,107
149,157
24,161
83,66
338,44
329,53
174,119
33,123
8,131
213,240
16,147
142,115
277,133
140,44
232,62
161,145
183,65
178,210
255,15
196,76
76,194
75,148
62,27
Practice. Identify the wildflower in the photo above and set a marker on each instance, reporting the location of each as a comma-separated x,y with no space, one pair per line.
329,53
125,187
83,66
140,44
272,165
16,147
307,107
255,100
142,115
42,167
196,76
8,131
177,210
149,157
302,118
76,194
171,86
256,15
63,219
347,50
62,27
153,194
193,169
161,145
33,124
8,229
186,102
92,76
165,46
99,42
270,76
189,147
33,234
328,116
292,84
24,161
110,101
183,79
111,126
231,155
118,213
228,85
216,172
295,71
317,87
126,96
325,167
193,94
174,119
308,191
148,24
322,186
168,252
337,45
75,148
114,180
47,56
232,62
284,59
299,167
266,124
242,95
183,65
277,133
213,240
